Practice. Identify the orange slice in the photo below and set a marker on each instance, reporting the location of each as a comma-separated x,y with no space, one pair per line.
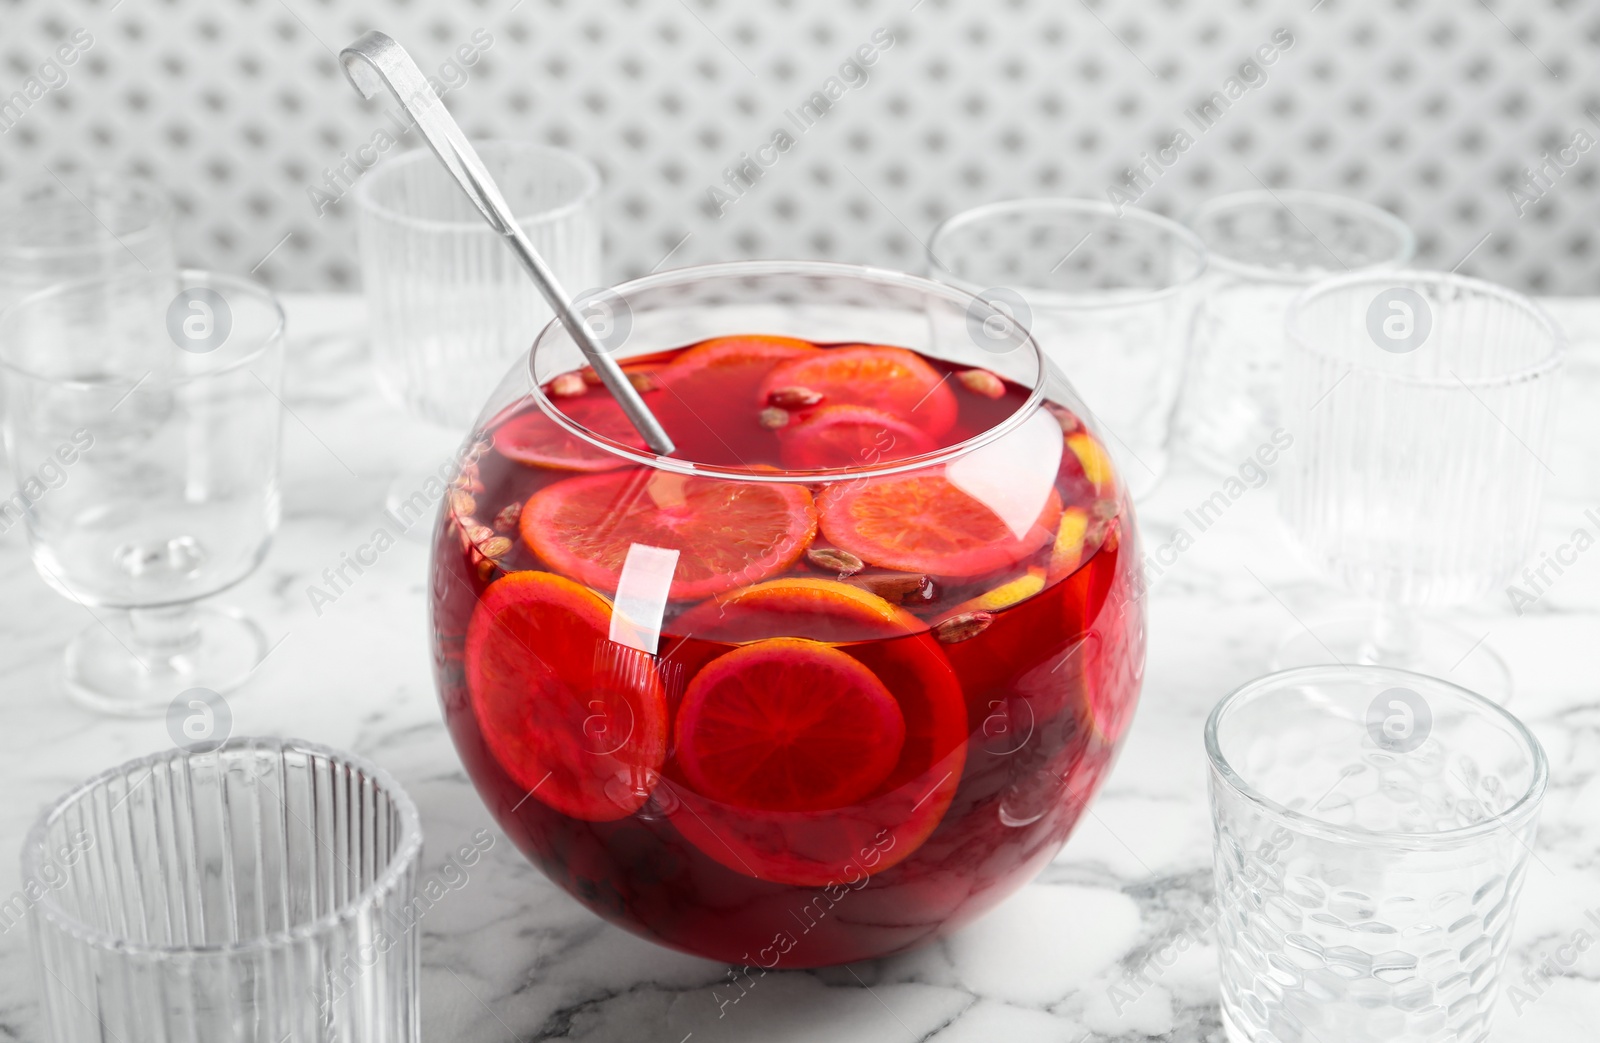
531,437
921,522
727,533
894,380
850,436
583,738
814,848
788,724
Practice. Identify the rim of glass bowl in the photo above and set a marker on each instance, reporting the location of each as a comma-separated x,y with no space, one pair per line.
746,269
1326,200
407,852
189,277
588,192
1526,804
1086,300
139,190
1299,338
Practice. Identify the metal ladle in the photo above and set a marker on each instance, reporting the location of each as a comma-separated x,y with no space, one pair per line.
375,61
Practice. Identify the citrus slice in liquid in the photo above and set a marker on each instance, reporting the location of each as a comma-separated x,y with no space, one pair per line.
788,724
887,825
727,533
531,437
850,436
584,738
894,380
921,522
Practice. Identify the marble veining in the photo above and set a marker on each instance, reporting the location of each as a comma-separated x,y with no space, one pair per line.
1110,942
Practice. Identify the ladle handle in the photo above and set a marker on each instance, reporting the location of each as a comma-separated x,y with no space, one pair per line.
375,61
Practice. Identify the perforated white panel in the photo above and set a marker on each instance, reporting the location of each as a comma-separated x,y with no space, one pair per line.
1433,108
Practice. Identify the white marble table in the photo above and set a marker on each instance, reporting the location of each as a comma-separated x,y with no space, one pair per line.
507,956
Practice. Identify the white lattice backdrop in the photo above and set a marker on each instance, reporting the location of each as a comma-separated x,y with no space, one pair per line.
1433,108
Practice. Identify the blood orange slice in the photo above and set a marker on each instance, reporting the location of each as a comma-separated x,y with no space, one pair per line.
727,533
887,825
921,522
729,358
532,437
894,380
797,606
580,731
788,724
850,436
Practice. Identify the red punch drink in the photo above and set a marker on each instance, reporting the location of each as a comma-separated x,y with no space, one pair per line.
832,680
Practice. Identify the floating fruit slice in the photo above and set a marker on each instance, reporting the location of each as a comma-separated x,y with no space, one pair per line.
1067,553
704,389
894,380
581,732
815,848
729,357
850,436
1005,595
920,522
798,606
727,533
533,438
1097,466
788,724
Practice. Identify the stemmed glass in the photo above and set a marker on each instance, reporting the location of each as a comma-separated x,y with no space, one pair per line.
142,418
1422,406
77,227
1264,248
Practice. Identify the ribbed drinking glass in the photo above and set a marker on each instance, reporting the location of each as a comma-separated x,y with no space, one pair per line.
260,891
448,304
1422,405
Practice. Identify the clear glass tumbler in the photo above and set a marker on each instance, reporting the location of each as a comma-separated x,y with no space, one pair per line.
1264,249
1107,292
1372,829
81,227
142,418
261,890
1422,406
448,304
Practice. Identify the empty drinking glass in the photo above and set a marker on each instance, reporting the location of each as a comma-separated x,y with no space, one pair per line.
142,419
1421,405
1372,831
61,230
258,890
448,303
1107,292
1264,249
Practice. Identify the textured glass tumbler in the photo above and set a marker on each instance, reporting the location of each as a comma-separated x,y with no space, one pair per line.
1422,406
448,303
260,891
64,230
142,417
1107,292
1264,249
1372,830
